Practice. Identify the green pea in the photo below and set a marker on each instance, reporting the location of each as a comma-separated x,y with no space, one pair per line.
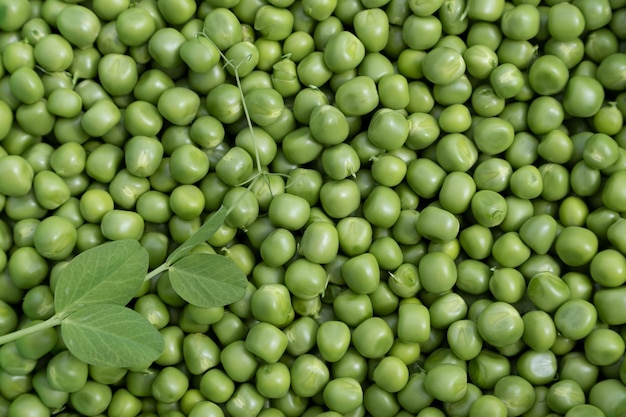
18,174
576,245
26,85
455,118
361,273
446,310
577,311
428,27
357,96
372,338
437,272
437,225
454,18
493,135
516,393
500,324
122,224
547,291
309,375
443,57
425,177
446,382
320,243
64,372
49,397
328,125
118,74
13,362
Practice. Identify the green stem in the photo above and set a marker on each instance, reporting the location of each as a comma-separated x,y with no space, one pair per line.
51,322
156,271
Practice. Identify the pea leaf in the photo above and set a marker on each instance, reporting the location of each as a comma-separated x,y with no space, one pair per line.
207,280
201,235
111,335
110,273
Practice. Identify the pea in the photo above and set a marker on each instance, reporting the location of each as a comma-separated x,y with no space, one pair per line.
576,245
493,135
343,395
584,409
320,243
216,386
446,310
608,395
443,57
437,272
595,15
271,303
372,338
447,224
575,366
516,393
425,177
357,96
576,310
453,18
309,375
607,302
328,125
603,347
564,395
604,265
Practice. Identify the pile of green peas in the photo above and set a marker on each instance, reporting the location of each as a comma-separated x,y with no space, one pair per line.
426,195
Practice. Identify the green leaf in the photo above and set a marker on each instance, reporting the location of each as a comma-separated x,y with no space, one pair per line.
111,335
110,273
208,280
201,235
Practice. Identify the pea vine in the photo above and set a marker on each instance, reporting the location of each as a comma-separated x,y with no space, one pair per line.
94,289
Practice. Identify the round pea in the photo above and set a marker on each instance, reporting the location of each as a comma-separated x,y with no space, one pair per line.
500,324
516,393
575,318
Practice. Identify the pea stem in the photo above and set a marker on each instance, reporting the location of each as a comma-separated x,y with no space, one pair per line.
51,322
156,271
